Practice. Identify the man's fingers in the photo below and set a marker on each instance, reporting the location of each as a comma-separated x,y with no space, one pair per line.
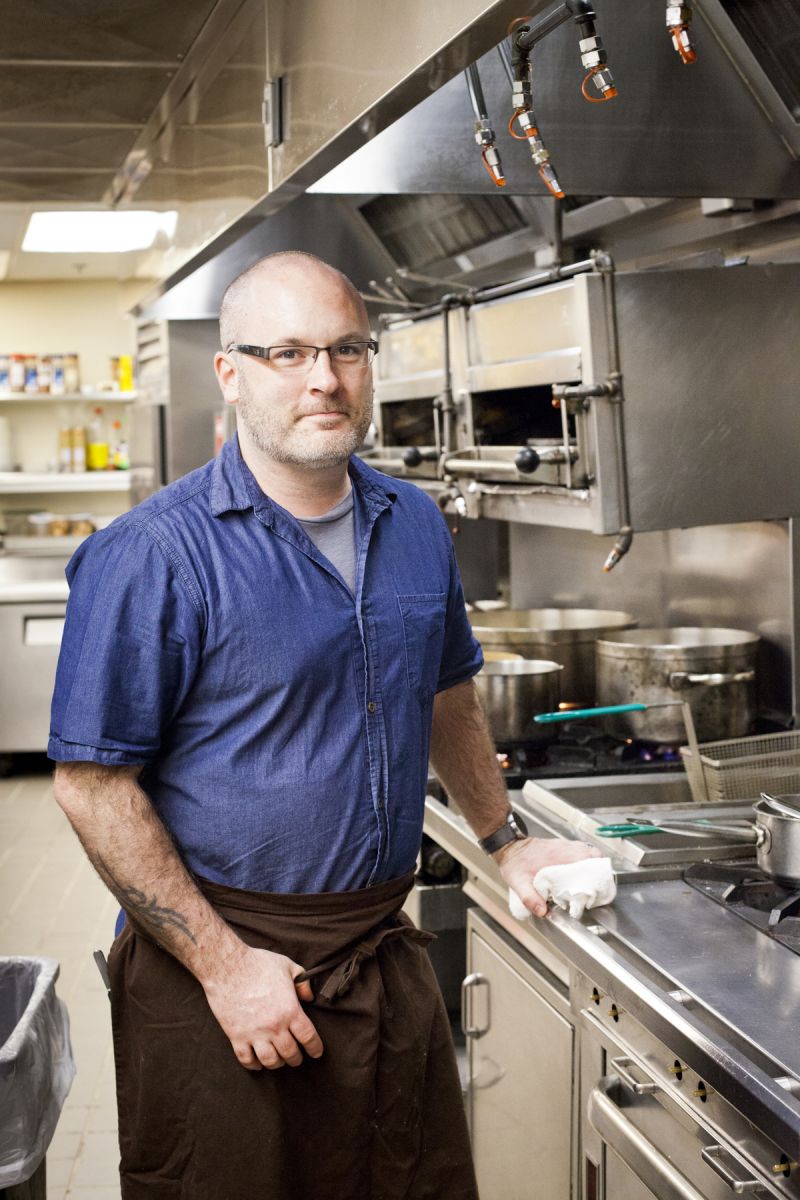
247,1058
288,1049
305,991
531,899
268,1056
307,1035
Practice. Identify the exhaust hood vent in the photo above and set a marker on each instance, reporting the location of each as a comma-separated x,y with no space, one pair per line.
420,230
772,33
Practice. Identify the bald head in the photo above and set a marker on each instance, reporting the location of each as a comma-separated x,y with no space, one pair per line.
252,293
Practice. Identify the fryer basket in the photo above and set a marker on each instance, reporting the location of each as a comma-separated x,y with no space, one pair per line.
741,768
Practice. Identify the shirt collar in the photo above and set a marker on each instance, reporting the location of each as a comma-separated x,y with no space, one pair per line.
234,487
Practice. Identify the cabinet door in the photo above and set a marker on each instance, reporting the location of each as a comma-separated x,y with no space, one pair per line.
520,1083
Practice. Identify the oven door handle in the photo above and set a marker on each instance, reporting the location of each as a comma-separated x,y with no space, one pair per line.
714,1157
647,1162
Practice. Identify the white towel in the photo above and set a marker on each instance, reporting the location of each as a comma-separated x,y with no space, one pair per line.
572,886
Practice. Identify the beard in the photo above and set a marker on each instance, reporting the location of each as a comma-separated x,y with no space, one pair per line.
283,439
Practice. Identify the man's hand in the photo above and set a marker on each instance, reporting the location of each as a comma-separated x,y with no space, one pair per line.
519,862
255,1000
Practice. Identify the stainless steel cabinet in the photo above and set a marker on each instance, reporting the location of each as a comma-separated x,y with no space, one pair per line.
521,1049
30,635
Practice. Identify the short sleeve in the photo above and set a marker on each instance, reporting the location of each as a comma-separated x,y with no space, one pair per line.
129,651
462,656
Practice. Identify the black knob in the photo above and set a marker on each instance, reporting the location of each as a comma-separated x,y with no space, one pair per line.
527,460
411,457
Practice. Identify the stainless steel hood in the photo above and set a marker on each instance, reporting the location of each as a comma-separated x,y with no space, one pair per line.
717,127
726,126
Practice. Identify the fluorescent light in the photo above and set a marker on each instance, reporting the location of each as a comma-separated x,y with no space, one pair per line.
92,232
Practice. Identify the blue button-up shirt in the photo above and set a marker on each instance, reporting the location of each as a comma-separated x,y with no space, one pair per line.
284,723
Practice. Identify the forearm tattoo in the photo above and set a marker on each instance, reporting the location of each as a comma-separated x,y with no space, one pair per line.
149,911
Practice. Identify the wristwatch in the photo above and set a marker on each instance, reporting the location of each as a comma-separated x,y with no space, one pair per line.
513,829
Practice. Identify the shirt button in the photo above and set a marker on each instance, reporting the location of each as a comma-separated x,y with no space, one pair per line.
371,706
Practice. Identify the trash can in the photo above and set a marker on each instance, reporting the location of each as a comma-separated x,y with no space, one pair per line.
36,1068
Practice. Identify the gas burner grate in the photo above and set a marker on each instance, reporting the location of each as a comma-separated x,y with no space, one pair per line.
752,895
585,749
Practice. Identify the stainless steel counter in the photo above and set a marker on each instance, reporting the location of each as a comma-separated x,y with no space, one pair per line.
722,994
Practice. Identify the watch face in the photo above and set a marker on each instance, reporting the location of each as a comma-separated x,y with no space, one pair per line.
518,825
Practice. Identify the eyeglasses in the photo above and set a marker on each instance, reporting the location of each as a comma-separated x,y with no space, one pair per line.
348,356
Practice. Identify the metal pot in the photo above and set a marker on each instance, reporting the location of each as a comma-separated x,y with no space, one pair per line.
776,838
565,635
513,690
713,669
777,843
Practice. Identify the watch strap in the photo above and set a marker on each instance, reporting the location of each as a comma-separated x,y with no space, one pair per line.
513,829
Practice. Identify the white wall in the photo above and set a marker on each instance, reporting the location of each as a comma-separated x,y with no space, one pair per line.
49,318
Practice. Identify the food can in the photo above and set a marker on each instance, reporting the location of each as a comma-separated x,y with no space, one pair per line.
16,372
31,373
45,377
72,374
5,384
57,379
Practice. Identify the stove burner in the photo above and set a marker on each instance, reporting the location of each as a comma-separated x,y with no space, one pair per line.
584,748
642,750
752,895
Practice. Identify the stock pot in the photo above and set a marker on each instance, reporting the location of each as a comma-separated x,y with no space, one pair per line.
562,635
713,669
512,691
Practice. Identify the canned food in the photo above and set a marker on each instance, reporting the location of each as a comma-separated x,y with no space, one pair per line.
16,372
31,373
57,381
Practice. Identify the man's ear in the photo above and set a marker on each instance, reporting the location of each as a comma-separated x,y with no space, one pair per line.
227,377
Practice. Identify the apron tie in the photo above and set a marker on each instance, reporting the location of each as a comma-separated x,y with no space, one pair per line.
345,967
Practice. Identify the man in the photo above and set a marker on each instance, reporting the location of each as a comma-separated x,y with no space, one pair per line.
255,664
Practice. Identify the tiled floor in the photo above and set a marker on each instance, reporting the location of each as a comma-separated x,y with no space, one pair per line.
52,903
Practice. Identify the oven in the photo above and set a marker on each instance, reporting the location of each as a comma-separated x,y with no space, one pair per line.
653,1128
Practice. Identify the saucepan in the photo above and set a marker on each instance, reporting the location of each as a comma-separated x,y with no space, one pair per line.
775,835
512,688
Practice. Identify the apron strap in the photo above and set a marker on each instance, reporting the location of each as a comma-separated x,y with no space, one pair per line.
345,967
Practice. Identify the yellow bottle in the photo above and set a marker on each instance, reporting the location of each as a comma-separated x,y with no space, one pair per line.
97,445
125,373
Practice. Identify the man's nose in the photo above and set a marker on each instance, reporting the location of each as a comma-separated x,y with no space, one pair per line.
322,377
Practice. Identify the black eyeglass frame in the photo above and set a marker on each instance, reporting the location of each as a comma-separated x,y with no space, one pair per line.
264,351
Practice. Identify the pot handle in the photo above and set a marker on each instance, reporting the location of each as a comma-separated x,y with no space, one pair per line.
576,713
682,679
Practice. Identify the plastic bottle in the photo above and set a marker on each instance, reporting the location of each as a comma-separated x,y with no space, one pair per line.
125,373
120,457
65,448
77,437
97,443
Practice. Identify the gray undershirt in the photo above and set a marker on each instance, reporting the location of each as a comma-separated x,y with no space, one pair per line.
334,534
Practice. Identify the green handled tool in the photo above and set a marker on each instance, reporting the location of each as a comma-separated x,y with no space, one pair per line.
626,829
607,711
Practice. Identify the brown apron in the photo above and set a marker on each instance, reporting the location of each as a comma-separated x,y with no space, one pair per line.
378,1117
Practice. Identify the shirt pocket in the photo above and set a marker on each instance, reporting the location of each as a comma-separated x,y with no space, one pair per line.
423,617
